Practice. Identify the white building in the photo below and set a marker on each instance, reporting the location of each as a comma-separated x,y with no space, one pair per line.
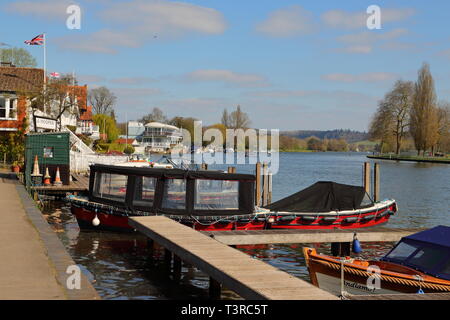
159,137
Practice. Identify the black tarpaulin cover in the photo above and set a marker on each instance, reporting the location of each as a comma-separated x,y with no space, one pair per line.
323,196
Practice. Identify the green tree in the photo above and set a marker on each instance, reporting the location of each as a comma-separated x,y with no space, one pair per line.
18,56
424,115
107,125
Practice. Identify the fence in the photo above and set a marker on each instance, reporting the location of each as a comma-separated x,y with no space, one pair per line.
80,162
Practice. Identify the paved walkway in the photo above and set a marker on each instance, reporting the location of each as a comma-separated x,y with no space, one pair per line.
27,268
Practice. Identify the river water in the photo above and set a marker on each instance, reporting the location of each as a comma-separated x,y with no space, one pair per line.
118,264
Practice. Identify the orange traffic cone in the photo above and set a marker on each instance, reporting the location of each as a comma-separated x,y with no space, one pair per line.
57,181
47,178
36,167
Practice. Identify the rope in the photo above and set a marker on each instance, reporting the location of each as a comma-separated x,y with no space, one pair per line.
415,283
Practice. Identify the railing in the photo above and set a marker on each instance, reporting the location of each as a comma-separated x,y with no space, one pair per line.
80,162
77,142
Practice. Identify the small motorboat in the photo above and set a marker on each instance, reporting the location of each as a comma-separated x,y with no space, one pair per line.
419,263
216,201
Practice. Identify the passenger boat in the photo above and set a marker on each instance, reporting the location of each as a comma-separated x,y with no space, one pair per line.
215,200
419,263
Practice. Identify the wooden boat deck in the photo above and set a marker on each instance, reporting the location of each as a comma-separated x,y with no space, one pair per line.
247,237
248,277
413,296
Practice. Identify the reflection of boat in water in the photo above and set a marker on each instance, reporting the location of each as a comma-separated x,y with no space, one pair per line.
214,200
418,263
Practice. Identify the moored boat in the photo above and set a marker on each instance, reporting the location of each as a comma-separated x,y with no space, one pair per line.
419,263
215,200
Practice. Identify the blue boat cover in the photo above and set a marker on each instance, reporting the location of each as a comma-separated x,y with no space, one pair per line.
439,235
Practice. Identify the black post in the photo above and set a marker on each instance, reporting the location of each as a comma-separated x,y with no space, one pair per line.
215,289
340,249
176,268
167,260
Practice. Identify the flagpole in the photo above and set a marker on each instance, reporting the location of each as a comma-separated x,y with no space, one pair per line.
45,59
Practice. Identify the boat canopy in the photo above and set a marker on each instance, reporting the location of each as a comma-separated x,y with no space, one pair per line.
324,196
172,191
427,251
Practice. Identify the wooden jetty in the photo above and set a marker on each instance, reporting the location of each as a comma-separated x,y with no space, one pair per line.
248,277
409,296
79,183
247,237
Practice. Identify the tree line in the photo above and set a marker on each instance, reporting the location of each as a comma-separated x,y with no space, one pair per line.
410,112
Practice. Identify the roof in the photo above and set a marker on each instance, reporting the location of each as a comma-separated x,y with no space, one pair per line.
160,125
439,235
125,141
14,79
86,114
172,173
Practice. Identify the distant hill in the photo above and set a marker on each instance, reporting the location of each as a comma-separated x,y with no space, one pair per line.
349,135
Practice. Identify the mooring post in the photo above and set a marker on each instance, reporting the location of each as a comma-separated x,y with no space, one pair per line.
215,289
269,196
265,194
167,260
151,248
176,268
258,184
340,249
367,177
230,169
376,182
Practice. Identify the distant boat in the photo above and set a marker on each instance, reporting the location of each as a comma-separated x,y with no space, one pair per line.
419,263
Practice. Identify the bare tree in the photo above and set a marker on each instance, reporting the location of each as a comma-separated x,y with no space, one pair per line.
443,144
102,100
239,119
424,115
225,118
157,115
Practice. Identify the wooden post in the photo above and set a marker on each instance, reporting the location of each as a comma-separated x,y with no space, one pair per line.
176,268
376,182
258,184
234,170
151,248
269,197
230,169
367,177
340,249
167,260
215,289
265,194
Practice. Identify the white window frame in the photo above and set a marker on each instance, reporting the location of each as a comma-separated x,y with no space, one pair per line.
8,107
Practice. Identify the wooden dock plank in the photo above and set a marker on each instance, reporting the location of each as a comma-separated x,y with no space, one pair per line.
412,296
373,234
249,277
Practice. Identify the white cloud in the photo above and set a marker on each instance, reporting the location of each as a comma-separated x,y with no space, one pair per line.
340,19
227,76
287,22
364,77
49,9
133,24
132,80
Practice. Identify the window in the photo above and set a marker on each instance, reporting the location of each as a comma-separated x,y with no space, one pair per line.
427,257
48,152
110,186
216,195
402,251
174,196
144,194
12,108
2,107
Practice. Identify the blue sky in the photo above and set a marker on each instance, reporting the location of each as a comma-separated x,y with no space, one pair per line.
289,64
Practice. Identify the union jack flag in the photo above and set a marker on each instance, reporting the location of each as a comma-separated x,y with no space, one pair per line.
36,41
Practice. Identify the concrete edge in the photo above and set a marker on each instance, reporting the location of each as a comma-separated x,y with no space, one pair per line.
56,251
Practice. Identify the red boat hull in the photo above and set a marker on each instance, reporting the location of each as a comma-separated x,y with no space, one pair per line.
114,222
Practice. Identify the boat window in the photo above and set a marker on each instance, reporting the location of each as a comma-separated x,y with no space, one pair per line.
111,186
174,196
427,257
144,191
402,251
216,195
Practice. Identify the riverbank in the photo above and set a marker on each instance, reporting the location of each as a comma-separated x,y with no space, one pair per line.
411,158
34,261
